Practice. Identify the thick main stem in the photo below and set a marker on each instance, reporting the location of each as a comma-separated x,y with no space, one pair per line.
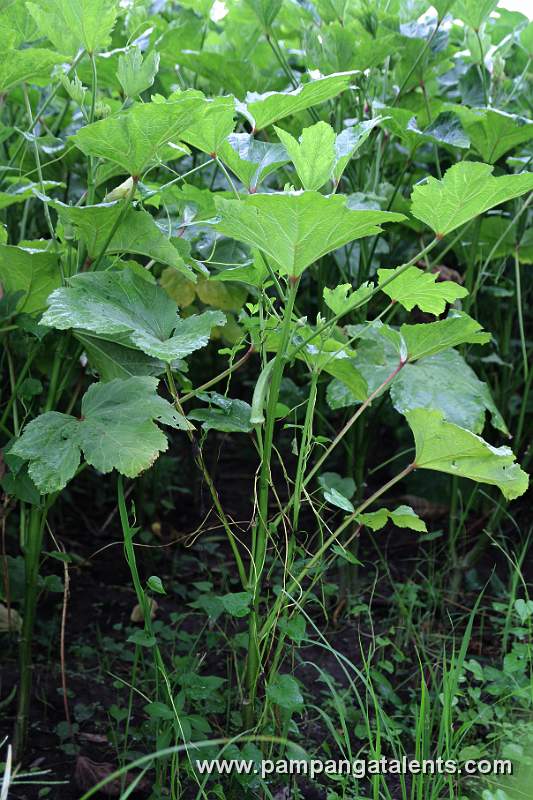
32,552
261,531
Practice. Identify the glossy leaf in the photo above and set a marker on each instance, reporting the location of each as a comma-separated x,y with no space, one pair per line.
295,229
445,447
225,414
132,139
445,382
350,140
72,24
466,190
414,287
123,307
116,430
251,159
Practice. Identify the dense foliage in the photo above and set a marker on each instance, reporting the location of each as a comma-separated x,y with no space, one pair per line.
295,233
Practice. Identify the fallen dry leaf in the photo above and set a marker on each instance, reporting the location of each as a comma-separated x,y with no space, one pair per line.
88,773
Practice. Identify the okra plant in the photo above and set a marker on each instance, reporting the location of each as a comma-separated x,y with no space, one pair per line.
302,220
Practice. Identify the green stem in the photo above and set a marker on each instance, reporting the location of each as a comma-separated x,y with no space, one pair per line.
303,455
32,552
40,175
520,314
348,520
261,528
199,460
219,377
116,224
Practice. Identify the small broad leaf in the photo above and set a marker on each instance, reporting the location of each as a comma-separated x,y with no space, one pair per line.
296,228
414,287
402,517
337,499
342,299
251,159
137,232
466,190
155,584
346,555
133,138
72,24
136,74
313,155
284,691
445,447
331,480
445,382
116,430
237,603
123,307
264,109
20,66
32,273
228,415
428,338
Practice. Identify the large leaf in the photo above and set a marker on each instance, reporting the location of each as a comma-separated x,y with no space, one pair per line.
493,133
137,232
133,138
18,66
313,155
251,159
474,12
264,109
34,272
20,192
445,447
425,339
208,132
72,24
123,307
445,382
296,228
414,287
466,190
16,25
110,360
116,430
